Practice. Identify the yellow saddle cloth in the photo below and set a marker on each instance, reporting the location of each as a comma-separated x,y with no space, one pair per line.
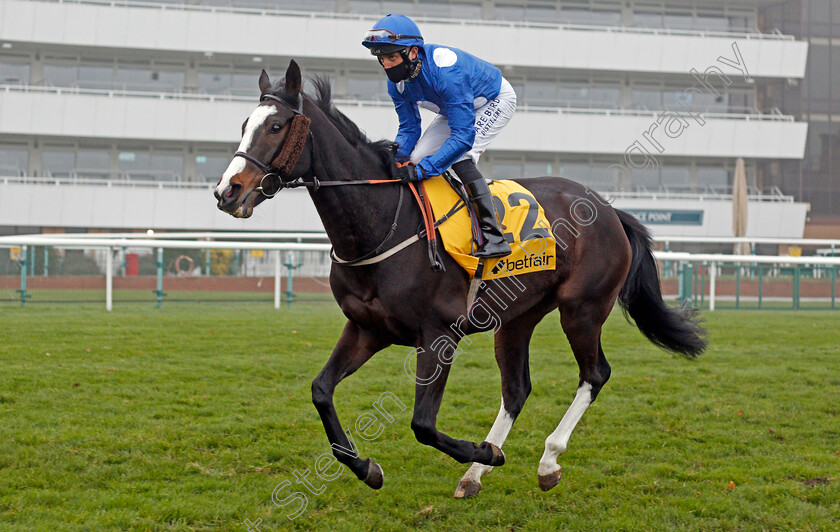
523,222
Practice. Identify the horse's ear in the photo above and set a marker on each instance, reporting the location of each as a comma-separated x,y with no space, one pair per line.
265,83
293,79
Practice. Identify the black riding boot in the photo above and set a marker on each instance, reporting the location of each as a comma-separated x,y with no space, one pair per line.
495,244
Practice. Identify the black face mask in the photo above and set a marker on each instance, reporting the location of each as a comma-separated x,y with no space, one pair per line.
399,72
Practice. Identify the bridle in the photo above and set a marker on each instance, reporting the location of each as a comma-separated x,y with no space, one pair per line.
284,160
277,176
288,154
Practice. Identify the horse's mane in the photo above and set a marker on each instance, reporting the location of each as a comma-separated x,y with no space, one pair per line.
380,149
348,129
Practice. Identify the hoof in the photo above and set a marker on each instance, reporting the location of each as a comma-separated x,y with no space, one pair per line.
375,477
498,458
550,480
467,489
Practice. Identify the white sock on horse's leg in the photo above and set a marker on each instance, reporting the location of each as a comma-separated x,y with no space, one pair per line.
497,435
555,444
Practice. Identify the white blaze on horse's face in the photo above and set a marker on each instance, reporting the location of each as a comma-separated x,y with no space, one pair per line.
255,121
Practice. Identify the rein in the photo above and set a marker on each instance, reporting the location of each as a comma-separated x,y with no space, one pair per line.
278,171
277,176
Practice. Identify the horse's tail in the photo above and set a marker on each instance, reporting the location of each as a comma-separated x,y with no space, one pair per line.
673,329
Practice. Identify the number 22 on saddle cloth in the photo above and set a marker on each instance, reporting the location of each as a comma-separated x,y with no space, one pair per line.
523,223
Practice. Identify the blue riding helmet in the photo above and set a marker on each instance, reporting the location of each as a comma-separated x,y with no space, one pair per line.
392,33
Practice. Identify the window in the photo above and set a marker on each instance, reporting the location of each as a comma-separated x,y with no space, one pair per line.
214,82
646,178
150,166
166,167
366,87
96,76
14,71
675,175
211,167
295,5
711,176
507,169
85,164
606,175
818,15
711,23
56,75
509,13
465,11
605,97
541,13
93,164
365,6
679,21
149,79
741,102
540,93
647,99
648,20
244,84
58,163
577,171
593,17
538,168
13,161
404,7
450,10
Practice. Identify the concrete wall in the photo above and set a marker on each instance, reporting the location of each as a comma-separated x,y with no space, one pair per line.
292,210
152,28
161,119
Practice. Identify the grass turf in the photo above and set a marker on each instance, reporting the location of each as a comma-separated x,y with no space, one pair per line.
189,417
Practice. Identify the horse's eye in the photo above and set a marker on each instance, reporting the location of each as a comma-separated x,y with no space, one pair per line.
276,128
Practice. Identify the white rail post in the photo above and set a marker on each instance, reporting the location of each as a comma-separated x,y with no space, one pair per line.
277,278
109,278
712,279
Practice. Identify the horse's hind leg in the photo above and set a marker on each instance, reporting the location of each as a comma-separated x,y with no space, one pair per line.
582,325
512,357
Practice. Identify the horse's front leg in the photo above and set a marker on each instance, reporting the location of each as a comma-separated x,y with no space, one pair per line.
430,380
354,348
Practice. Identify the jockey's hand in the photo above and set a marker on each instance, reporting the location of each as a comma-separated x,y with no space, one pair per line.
408,171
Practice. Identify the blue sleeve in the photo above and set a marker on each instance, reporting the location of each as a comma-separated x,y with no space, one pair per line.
457,96
409,115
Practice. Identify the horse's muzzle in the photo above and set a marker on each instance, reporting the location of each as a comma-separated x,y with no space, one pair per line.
229,198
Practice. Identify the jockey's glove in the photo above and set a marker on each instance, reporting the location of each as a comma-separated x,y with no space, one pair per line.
408,171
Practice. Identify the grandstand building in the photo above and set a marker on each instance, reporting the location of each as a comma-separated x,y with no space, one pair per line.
122,115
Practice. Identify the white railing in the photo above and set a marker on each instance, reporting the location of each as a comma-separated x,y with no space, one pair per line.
715,260
774,115
702,193
565,109
125,181
776,35
115,242
823,242
202,237
111,93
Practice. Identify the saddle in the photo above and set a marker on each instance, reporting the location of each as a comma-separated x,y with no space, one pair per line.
446,207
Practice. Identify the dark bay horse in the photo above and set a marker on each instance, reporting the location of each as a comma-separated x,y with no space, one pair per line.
603,256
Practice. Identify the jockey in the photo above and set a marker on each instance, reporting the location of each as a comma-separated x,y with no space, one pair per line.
473,102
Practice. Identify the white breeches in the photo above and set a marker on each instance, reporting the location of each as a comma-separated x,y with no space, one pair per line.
490,118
